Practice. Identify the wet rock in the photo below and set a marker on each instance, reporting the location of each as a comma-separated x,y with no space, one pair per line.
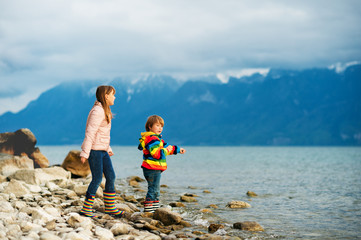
205,210
167,217
248,226
177,204
73,164
207,191
214,227
188,199
212,206
238,204
251,194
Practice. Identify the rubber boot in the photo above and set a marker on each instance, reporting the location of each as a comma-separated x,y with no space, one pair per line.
155,205
87,209
109,203
148,206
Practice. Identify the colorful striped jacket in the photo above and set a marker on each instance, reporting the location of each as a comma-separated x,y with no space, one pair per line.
155,151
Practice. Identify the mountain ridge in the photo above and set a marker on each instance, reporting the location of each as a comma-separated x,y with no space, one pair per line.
285,107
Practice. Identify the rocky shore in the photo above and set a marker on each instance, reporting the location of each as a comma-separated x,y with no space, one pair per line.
44,203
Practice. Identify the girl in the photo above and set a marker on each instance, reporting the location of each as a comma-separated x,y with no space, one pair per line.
96,149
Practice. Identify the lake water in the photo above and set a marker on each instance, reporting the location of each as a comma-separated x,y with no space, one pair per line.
303,192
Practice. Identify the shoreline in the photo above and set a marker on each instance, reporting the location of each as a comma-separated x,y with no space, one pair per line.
50,209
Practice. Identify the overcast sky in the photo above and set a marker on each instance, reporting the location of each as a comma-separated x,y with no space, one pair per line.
43,43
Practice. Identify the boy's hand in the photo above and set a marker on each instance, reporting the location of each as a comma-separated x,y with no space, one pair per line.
169,148
182,151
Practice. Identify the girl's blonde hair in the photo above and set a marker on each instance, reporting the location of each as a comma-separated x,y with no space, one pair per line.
100,95
152,120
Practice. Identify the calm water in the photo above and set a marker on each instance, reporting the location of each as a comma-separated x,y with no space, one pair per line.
303,192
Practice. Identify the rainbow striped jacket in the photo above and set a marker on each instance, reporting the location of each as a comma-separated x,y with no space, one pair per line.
155,151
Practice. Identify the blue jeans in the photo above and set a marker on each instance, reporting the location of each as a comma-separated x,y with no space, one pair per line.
153,179
100,162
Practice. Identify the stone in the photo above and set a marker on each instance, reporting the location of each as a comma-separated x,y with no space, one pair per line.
5,207
187,199
49,236
214,227
177,204
120,229
166,216
9,164
75,221
73,164
17,188
103,234
41,175
251,194
39,159
238,204
248,226
205,210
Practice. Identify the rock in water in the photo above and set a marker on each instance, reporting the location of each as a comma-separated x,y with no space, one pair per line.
248,226
167,217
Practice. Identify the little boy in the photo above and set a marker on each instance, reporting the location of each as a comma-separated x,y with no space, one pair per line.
154,163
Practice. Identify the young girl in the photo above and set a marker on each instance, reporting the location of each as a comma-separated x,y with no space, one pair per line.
96,149
154,163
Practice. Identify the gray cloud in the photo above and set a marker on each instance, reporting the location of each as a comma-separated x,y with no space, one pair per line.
44,42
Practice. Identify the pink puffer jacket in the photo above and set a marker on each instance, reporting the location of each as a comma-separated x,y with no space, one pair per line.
97,132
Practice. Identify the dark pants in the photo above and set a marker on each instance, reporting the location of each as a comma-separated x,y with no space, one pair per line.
100,162
153,179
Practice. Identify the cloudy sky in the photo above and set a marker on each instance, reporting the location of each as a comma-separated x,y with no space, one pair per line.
43,43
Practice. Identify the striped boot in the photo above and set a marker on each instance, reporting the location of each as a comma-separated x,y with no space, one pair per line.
148,206
155,205
109,203
87,209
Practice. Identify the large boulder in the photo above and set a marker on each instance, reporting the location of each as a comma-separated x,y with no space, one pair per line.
73,164
41,175
22,143
9,164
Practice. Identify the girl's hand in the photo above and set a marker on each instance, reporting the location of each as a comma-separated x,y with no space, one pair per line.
110,154
182,151
82,159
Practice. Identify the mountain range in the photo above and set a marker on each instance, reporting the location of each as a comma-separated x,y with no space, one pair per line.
311,107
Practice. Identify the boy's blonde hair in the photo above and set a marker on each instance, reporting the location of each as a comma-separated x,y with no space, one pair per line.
153,120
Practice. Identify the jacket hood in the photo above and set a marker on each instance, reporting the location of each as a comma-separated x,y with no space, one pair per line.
143,135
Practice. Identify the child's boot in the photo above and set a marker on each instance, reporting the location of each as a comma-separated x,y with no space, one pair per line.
109,203
148,206
155,205
87,209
